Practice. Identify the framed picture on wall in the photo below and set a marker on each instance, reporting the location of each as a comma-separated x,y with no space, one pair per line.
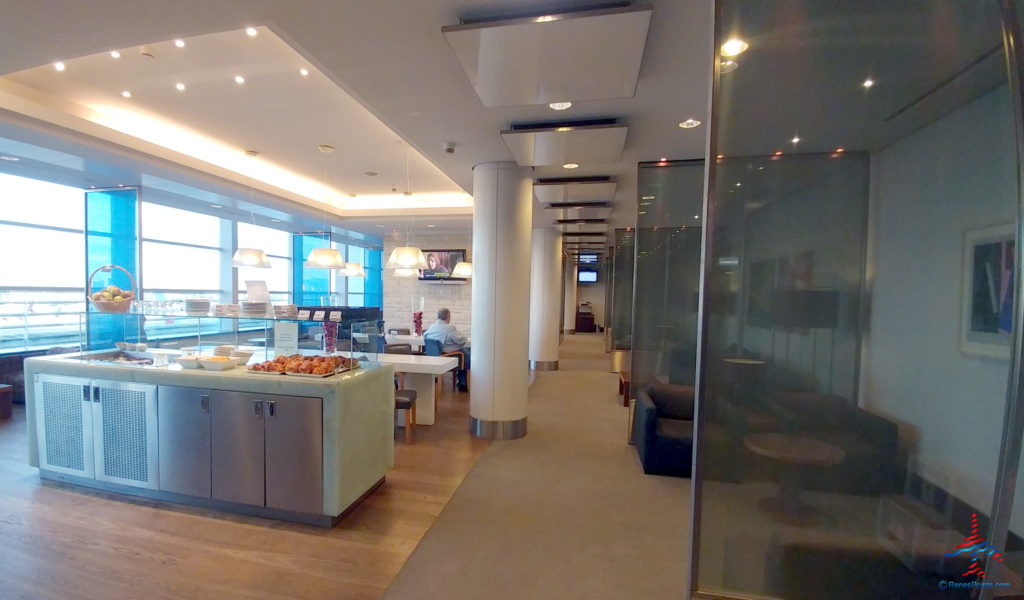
987,305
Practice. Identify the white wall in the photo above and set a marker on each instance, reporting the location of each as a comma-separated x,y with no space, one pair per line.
594,293
400,291
949,404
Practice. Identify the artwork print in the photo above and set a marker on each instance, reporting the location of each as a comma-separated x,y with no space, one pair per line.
987,320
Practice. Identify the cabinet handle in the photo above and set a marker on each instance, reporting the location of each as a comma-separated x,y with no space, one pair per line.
85,393
257,409
96,394
272,408
204,403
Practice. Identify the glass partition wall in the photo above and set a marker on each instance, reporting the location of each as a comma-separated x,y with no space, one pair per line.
858,305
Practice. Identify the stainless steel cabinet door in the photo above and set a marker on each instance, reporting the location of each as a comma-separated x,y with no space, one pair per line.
184,419
236,438
294,450
125,433
63,415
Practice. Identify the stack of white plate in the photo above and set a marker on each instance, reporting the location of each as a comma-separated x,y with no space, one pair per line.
225,310
224,350
286,311
253,309
197,306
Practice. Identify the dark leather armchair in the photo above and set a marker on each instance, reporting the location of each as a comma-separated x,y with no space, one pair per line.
663,429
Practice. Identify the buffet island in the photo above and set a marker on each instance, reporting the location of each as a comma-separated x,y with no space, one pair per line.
242,436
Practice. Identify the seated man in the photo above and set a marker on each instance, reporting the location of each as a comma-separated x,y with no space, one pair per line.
451,339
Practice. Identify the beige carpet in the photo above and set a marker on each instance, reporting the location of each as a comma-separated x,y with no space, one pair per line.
565,512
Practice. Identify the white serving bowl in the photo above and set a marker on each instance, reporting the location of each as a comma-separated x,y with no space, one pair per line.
188,362
218,365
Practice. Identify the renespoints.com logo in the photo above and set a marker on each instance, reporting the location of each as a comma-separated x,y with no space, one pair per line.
976,549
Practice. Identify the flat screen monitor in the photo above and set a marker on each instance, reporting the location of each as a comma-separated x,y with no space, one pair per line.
587,276
441,263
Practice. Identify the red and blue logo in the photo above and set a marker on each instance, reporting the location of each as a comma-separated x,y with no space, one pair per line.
977,550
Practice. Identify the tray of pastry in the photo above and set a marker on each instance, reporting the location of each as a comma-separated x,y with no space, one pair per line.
298,365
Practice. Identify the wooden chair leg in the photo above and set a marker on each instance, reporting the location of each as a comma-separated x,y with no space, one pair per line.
410,422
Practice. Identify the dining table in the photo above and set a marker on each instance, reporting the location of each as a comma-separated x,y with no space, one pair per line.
418,374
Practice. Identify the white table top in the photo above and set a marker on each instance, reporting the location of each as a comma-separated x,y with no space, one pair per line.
416,341
414,363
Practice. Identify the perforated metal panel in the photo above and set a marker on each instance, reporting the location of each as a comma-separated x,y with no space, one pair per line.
63,438
126,433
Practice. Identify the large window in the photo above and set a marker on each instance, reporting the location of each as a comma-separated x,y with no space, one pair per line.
42,278
277,245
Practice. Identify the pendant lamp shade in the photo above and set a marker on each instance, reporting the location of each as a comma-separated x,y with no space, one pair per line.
462,270
353,270
407,272
250,257
325,258
406,257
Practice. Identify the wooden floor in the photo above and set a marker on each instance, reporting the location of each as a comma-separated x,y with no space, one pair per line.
61,542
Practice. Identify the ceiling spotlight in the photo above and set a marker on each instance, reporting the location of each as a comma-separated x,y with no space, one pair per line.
796,139
239,79
839,150
431,226
663,159
179,43
867,82
59,66
690,124
570,166
251,31
777,153
559,105
126,94
304,71
734,47
728,66
180,87
115,54
739,184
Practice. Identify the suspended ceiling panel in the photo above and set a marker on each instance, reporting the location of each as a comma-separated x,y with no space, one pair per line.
548,193
586,55
575,214
551,146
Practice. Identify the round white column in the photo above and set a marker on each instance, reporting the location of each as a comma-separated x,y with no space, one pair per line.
545,298
569,316
502,217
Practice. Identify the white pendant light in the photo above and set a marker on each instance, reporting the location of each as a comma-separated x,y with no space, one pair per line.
462,270
352,270
407,257
250,257
325,258
406,272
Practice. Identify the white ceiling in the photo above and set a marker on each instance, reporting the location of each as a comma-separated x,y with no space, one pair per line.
395,61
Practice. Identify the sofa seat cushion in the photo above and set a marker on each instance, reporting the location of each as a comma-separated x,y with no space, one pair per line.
672,401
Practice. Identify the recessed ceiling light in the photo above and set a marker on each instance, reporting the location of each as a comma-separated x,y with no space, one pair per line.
180,87
867,82
643,212
696,216
690,124
647,197
777,153
239,79
179,43
839,150
303,71
734,47
120,185
126,94
559,105
563,129
59,66
545,19
646,203
663,159
216,206
370,173
739,184
10,158
381,226
115,54
275,220
796,139
570,166
760,168
251,31
728,66
431,226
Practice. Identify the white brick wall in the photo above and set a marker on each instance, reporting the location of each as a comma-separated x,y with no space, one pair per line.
400,291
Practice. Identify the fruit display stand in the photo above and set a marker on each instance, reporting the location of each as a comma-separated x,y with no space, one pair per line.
111,299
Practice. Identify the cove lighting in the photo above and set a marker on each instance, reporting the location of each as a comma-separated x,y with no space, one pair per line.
559,105
251,31
734,47
199,147
59,66
115,54
239,79
179,43
398,201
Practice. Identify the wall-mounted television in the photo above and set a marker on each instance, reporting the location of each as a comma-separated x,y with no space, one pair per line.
441,263
587,276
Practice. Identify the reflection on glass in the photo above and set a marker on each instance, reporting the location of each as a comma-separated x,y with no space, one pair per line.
622,290
850,432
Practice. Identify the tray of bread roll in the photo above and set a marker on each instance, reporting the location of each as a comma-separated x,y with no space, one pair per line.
298,365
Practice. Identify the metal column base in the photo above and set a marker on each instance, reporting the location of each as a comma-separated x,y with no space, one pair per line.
497,430
543,365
